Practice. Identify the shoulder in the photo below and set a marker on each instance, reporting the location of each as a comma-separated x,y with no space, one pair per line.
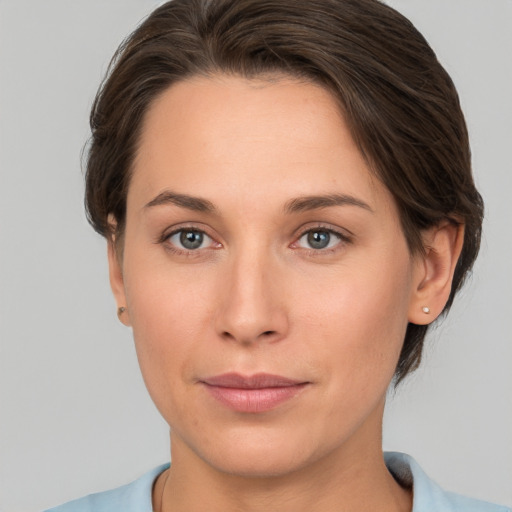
428,495
133,497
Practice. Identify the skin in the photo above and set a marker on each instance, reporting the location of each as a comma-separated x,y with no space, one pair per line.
257,297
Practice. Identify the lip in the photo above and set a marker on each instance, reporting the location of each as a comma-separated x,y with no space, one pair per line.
252,394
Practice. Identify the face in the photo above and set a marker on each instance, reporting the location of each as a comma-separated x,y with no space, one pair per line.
265,275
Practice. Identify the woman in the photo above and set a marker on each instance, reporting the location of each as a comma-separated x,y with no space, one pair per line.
286,193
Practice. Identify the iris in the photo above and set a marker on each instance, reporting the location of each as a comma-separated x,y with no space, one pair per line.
319,239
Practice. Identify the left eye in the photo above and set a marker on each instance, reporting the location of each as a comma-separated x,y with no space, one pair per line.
190,239
319,239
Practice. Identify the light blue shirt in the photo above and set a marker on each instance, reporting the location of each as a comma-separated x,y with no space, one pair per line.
428,496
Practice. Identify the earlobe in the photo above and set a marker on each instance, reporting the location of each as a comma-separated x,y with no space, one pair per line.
117,282
433,273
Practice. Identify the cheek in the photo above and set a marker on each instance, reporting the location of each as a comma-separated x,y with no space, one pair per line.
170,316
357,324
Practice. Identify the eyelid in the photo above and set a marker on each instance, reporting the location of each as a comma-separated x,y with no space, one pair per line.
343,233
176,228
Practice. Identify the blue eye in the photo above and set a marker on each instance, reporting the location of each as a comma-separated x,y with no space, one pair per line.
319,239
189,239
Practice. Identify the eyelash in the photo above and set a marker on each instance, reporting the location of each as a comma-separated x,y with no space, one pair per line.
343,239
183,252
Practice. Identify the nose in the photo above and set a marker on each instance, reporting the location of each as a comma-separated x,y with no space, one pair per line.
252,307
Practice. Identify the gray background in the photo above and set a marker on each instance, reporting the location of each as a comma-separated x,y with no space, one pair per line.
74,414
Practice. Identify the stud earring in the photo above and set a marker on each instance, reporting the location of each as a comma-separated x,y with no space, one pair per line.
425,310
120,311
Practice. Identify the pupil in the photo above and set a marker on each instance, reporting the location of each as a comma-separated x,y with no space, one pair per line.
319,239
191,239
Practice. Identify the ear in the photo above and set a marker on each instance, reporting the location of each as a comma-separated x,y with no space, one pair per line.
433,271
117,281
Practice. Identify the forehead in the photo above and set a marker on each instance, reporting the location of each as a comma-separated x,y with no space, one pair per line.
222,134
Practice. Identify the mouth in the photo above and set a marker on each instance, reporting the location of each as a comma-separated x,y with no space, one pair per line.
252,394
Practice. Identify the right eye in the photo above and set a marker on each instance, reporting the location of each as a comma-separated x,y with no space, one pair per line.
189,239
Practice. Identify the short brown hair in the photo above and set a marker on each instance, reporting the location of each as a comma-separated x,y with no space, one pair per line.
399,102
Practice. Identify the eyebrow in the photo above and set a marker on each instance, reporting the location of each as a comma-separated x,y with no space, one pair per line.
184,201
306,203
298,204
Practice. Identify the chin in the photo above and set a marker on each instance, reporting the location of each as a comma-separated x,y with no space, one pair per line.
260,453
258,463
